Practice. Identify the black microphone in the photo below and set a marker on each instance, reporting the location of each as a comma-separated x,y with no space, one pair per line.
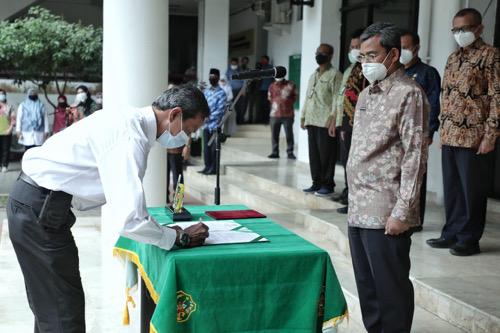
276,72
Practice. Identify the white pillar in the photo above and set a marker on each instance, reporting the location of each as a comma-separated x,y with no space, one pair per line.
441,44
321,24
213,36
135,71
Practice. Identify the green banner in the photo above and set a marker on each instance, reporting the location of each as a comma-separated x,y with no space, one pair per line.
284,285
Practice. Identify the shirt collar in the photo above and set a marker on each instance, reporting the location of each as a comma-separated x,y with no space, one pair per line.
478,43
328,67
386,84
418,62
150,125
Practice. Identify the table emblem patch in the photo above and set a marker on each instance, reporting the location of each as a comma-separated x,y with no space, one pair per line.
185,306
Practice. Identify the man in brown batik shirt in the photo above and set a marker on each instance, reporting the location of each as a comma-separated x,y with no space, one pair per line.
385,169
470,114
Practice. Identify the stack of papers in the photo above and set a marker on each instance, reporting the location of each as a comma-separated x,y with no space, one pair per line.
226,232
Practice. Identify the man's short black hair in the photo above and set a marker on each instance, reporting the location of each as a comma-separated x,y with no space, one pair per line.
245,58
234,59
328,46
415,39
478,18
357,33
265,57
390,35
186,96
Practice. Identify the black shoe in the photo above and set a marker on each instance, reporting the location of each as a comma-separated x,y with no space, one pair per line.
440,243
273,156
463,250
204,171
416,229
311,189
291,156
342,210
209,172
343,201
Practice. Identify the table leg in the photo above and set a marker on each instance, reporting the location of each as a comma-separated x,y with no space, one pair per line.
147,308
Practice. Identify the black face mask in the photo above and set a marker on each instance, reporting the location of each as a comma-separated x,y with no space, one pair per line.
62,104
33,97
213,81
321,58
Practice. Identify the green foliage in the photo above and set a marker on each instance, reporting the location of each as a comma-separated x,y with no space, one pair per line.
44,48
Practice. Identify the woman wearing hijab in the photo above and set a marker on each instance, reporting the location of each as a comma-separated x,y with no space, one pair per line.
84,102
7,123
32,125
60,115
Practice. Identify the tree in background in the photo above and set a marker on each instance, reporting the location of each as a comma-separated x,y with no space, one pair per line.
43,48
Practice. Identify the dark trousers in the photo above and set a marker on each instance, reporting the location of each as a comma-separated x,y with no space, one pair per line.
287,123
240,107
264,108
5,149
322,156
174,166
49,262
345,147
208,151
381,267
465,180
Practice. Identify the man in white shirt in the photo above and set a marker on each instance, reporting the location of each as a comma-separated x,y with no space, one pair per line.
101,159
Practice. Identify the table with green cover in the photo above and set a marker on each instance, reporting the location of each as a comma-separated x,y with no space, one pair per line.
284,285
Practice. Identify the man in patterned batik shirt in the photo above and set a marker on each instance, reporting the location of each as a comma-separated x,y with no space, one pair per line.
470,113
385,168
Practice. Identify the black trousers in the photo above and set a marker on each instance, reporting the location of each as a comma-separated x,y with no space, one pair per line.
322,156
5,141
287,123
465,180
345,147
174,166
264,108
208,151
49,262
381,268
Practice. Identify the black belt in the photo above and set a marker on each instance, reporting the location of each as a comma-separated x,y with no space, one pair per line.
27,179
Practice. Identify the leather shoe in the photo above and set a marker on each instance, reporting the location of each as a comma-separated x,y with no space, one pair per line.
311,189
342,210
463,250
291,156
273,156
204,171
440,243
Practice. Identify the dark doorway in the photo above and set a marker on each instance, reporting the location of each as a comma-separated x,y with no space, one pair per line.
358,14
183,44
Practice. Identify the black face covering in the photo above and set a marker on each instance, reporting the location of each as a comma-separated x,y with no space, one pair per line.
213,81
321,58
33,97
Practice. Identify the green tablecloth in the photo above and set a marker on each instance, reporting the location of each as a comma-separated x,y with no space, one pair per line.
284,285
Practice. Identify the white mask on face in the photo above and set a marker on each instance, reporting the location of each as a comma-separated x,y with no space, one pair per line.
234,67
3,98
406,56
279,79
464,39
353,56
170,141
375,71
81,97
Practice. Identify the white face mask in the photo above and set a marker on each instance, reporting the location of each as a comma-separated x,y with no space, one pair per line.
375,71
406,56
3,98
279,79
464,39
353,56
81,97
234,67
170,141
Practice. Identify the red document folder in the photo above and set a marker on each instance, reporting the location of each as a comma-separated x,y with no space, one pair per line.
235,214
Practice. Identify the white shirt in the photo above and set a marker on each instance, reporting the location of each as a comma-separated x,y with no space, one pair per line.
31,138
102,159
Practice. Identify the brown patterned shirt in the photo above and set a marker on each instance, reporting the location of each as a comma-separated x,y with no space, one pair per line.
470,107
388,155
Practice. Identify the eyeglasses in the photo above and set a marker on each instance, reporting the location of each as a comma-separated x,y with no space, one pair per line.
370,57
465,28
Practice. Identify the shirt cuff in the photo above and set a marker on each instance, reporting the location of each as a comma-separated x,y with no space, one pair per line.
400,211
167,240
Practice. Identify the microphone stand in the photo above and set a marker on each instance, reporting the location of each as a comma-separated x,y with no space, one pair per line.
217,137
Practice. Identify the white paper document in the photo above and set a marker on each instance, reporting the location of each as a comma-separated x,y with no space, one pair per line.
226,232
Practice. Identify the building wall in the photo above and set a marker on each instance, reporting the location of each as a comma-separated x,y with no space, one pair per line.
247,20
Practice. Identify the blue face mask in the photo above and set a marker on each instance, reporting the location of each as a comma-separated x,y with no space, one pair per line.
170,141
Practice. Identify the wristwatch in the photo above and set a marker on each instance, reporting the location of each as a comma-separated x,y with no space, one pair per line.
184,239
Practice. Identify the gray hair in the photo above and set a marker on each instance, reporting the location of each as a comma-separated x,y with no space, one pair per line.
390,35
189,98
